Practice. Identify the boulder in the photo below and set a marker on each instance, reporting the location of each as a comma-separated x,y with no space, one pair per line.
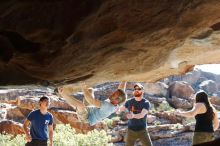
180,89
180,103
70,117
17,114
209,86
192,77
11,127
156,89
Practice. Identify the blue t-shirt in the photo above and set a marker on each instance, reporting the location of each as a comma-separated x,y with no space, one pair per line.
39,124
96,115
136,107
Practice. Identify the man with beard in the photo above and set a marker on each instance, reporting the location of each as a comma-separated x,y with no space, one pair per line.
138,108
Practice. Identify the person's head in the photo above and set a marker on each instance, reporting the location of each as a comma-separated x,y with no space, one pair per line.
44,102
138,90
202,97
118,97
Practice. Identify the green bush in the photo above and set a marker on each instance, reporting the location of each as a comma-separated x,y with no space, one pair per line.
64,135
109,122
10,140
164,106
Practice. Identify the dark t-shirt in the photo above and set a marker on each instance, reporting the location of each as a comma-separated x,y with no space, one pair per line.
39,124
136,107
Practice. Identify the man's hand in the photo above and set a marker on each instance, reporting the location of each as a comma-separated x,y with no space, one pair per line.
60,90
177,112
28,137
83,85
130,115
117,110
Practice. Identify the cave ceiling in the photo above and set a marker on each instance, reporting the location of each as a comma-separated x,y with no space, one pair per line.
56,42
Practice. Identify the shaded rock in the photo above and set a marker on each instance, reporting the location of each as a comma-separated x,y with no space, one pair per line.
217,94
209,86
70,117
11,127
168,116
180,89
166,131
192,77
155,100
32,102
17,114
180,103
151,119
3,113
156,89
215,100
65,116
181,139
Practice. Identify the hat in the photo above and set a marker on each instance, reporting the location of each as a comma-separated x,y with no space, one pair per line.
139,85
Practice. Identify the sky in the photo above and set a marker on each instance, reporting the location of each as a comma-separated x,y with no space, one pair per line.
214,68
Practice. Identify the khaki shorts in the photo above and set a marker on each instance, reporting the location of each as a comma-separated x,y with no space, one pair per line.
201,137
82,115
142,135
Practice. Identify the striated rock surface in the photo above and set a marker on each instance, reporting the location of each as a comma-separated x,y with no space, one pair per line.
180,89
209,86
61,42
11,127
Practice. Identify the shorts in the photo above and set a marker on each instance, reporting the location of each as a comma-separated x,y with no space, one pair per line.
36,142
201,137
82,115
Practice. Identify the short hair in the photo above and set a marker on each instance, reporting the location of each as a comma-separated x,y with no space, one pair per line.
43,98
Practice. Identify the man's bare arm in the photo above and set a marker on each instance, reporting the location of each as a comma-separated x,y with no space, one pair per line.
140,115
215,120
122,85
65,93
51,134
89,97
26,129
199,108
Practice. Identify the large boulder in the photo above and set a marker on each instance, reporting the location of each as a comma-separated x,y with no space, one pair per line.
215,100
17,114
11,127
70,117
192,77
180,103
209,86
156,89
180,89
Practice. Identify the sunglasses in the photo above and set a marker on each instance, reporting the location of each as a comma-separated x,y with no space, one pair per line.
137,89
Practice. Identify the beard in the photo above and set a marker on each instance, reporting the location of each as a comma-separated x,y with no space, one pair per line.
137,94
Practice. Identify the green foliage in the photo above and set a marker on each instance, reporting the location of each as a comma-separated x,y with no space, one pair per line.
157,123
10,140
164,106
177,126
188,121
109,122
64,135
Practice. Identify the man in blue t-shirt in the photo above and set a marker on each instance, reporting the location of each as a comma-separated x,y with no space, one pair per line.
138,108
40,121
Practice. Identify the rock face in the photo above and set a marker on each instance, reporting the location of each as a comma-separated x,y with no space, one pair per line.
156,89
11,127
180,90
209,86
56,42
